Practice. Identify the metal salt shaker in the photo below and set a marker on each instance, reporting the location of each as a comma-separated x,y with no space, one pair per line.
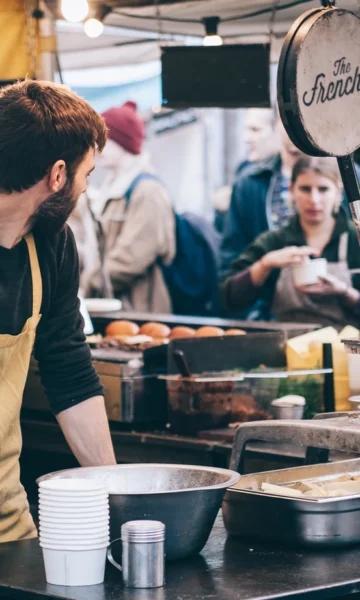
143,553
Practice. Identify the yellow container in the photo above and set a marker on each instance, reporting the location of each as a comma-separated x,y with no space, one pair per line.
305,352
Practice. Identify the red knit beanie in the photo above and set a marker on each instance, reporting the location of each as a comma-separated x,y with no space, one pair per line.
125,126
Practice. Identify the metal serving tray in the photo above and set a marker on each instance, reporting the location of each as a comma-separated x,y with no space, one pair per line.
306,521
298,521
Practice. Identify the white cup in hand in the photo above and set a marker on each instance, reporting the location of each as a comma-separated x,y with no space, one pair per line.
309,271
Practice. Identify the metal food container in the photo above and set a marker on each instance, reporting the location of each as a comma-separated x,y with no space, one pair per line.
258,515
325,522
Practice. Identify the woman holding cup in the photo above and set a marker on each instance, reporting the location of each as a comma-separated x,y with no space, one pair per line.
303,270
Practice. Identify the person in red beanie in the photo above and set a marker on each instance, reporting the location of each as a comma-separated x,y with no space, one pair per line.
134,218
125,127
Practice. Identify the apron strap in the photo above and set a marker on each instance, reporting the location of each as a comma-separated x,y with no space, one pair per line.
343,247
35,274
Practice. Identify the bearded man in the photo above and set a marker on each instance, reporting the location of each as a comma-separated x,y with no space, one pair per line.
48,139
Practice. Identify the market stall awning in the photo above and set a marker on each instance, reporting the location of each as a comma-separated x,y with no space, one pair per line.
134,27
237,18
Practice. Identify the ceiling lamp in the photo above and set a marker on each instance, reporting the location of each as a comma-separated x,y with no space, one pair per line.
93,26
74,10
211,37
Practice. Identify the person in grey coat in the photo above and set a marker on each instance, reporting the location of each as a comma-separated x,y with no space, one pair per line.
134,218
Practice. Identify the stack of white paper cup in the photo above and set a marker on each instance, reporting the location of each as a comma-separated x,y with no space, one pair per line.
73,530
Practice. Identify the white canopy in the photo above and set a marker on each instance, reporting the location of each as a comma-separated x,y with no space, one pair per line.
135,27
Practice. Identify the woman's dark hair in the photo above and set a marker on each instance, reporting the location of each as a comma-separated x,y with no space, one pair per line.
325,166
42,122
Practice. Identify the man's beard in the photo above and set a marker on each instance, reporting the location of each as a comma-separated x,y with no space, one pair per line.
53,213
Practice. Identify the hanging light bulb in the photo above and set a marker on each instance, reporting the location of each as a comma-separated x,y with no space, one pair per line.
93,28
74,10
211,38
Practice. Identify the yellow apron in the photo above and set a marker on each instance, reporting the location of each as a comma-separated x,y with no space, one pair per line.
15,350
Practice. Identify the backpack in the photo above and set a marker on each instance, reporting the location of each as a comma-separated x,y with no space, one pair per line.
191,277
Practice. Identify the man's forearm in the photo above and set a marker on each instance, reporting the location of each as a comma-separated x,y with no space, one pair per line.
86,429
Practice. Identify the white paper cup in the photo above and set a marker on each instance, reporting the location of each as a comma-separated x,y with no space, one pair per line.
75,543
68,491
74,538
96,527
77,509
74,567
73,519
76,534
71,485
88,503
69,523
309,271
54,545
73,523
53,497
94,539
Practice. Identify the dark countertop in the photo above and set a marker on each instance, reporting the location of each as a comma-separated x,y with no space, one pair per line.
227,569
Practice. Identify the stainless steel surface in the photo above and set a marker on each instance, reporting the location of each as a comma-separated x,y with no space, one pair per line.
288,412
185,498
339,433
143,554
306,521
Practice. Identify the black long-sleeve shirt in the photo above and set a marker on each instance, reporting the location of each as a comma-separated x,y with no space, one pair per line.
60,347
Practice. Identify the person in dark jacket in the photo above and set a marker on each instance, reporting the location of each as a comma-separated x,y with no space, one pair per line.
260,138
320,228
259,201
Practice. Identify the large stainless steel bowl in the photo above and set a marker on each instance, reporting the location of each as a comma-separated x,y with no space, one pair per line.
184,497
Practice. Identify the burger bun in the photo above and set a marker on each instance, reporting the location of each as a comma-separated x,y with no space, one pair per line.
181,332
209,331
155,330
126,328
235,332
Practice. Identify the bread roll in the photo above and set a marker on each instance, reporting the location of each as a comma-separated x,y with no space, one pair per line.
122,328
209,331
181,332
155,330
235,332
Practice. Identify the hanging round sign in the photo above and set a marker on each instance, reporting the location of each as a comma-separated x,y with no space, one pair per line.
319,82
319,90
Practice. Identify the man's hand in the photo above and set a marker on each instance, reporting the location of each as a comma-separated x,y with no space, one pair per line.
86,430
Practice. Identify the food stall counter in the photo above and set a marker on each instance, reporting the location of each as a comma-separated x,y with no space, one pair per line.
101,318
227,569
